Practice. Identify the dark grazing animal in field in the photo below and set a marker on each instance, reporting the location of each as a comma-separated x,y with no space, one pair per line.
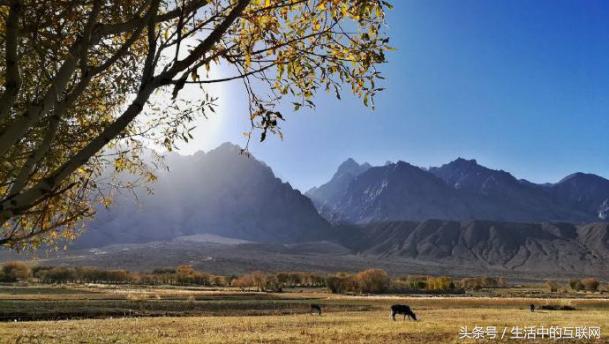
316,309
402,309
557,308
532,307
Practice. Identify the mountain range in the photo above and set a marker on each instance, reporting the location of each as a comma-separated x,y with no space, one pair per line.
459,190
551,248
225,211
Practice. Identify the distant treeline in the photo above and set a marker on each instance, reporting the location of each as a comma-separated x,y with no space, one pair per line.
377,281
182,275
584,284
370,281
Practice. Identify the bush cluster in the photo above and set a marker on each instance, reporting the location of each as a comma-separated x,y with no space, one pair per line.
277,281
588,284
14,272
477,283
371,281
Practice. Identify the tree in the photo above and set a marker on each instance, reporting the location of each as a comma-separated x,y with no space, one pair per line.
372,281
439,283
185,274
15,271
78,78
338,284
552,285
576,284
258,280
243,282
590,284
58,275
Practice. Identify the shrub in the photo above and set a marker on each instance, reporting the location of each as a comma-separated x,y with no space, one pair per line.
243,282
219,281
299,279
161,271
338,284
258,280
368,281
271,283
38,270
185,274
590,284
59,275
419,284
372,281
16,271
477,283
552,286
439,283
576,284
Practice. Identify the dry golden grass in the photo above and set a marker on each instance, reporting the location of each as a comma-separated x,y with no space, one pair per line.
436,326
441,319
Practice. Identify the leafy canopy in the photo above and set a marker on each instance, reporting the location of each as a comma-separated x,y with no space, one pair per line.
86,84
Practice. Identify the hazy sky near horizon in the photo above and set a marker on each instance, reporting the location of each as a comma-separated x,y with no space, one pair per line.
518,85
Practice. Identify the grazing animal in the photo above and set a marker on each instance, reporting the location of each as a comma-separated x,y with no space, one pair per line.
402,309
316,309
532,307
557,308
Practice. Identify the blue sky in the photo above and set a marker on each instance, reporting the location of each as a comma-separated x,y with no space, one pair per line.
518,85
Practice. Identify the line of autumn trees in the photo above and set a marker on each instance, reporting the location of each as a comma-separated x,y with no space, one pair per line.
369,281
584,284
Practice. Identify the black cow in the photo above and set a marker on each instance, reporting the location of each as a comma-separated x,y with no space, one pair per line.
532,307
315,309
402,309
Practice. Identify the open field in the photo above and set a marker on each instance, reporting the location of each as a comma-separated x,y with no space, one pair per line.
195,315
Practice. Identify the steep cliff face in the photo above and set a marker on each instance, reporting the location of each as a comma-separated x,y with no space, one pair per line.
398,192
221,192
327,195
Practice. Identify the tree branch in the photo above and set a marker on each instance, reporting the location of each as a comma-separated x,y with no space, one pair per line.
203,47
113,29
149,64
67,220
37,155
13,79
21,202
240,76
15,131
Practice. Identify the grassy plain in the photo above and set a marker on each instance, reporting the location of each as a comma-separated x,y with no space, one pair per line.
96,314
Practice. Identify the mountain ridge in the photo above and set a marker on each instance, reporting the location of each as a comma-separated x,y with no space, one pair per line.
220,192
222,207
557,248
470,191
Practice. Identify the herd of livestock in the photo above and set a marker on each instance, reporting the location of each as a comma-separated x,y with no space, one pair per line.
405,310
